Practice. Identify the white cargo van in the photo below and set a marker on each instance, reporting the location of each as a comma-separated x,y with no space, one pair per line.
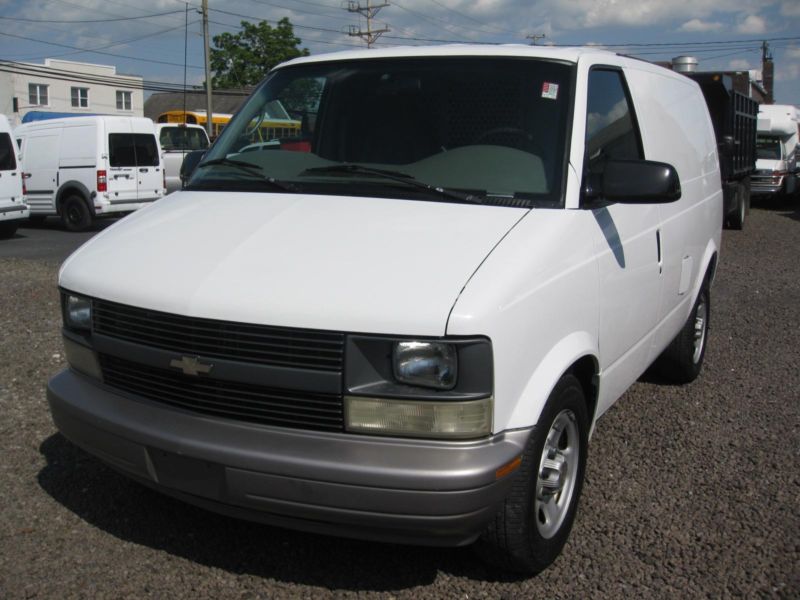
177,140
405,327
777,169
81,168
13,209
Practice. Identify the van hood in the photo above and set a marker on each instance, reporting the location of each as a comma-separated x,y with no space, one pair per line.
353,264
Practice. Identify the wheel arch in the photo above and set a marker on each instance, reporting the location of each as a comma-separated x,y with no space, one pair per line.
576,354
708,272
70,188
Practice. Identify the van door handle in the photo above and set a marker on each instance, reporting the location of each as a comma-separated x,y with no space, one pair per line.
658,250
144,170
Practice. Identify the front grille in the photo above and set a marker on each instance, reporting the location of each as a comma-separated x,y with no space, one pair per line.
241,342
228,399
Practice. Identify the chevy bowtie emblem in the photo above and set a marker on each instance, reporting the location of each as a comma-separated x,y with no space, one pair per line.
190,365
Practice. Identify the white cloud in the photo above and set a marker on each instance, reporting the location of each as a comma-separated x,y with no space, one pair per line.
697,25
752,25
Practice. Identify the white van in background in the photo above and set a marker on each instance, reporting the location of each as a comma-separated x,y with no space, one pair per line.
776,151
12,201
81,168
177,140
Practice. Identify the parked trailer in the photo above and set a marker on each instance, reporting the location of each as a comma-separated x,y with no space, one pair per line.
734,116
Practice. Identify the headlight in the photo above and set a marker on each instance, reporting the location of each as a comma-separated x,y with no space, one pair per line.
77,312
427,364
82,359
423,418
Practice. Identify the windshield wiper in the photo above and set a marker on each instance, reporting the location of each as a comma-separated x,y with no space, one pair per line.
394,176
250,169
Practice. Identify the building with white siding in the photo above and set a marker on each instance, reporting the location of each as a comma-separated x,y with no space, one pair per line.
67,87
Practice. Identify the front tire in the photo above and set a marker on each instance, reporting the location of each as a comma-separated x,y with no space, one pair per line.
531,528
75,214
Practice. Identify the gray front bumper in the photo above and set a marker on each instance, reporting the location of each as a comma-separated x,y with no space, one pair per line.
388,489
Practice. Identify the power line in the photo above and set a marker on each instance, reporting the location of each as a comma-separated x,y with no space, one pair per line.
680,44
369,12
81,21
466,16
446,25
98,51
429,19
300,11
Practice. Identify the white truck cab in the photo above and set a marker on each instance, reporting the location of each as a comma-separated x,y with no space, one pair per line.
177,140
82,168
13,209
404,325
777,169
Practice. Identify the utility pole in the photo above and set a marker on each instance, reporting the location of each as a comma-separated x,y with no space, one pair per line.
369,11
208,67
535,38
767,73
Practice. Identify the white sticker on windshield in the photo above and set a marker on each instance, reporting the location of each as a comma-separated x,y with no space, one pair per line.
550,90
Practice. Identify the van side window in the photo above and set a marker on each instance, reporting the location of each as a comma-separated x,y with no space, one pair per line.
8,161
611,130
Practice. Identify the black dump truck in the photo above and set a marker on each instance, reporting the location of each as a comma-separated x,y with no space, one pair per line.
734,115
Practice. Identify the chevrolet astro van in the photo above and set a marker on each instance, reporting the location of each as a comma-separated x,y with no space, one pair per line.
403,324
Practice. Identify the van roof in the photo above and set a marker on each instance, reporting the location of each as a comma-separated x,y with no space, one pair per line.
569,54
81,120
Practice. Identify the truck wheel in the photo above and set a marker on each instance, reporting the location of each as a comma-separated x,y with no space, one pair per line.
736,219
8,229
532,526
75,214
682,360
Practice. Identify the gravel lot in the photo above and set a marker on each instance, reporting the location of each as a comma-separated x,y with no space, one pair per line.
691,491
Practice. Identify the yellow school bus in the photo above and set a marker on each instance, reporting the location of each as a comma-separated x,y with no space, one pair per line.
196,117
275,125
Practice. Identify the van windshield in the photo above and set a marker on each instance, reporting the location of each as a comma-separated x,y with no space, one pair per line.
8,162
487,128
768,147
182,138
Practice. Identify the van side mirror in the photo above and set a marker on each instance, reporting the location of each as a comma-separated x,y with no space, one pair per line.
633,182
190,162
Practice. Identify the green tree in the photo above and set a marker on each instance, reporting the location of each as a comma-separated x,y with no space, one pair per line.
245,58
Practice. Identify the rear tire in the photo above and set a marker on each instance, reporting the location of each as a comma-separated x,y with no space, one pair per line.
75,214
682,361
8,229
531,528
